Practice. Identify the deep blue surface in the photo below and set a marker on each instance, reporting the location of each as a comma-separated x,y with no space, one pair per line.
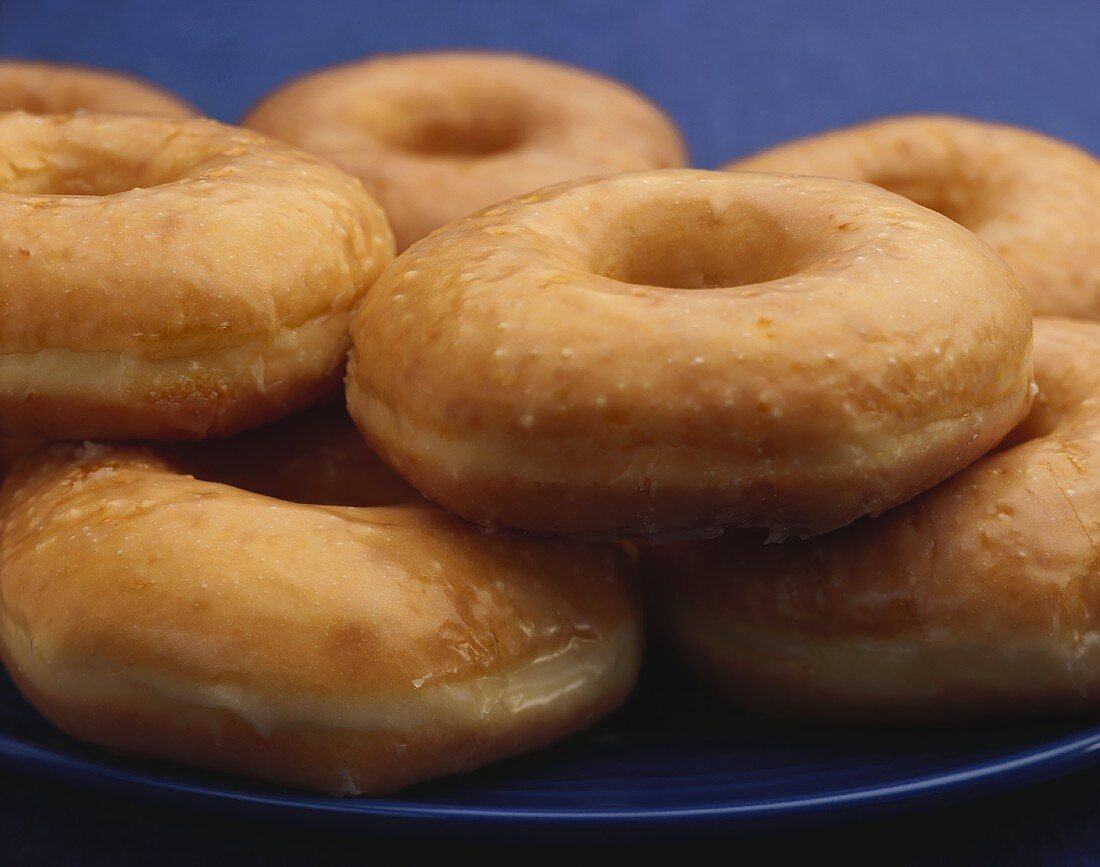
737,76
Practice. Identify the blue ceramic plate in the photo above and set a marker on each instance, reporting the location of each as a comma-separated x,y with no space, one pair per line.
673,757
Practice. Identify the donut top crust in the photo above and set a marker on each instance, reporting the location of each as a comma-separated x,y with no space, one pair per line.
1033,198
161,239
200,583
806,327
58,88
1003,553
437,136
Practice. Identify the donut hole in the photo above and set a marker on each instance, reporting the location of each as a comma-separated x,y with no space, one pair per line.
947,192
687,245
87,171
91,181
456,129
16,98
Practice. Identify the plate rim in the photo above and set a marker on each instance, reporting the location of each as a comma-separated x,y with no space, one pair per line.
1002,772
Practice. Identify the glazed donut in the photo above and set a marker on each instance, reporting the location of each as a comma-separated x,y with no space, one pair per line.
1034,199
171,279
437,136
978,597
316,456
58,88
340,649
681,351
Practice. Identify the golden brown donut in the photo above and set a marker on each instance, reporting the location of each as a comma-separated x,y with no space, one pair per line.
436,136
982,596
316,456
171,279
347,650
1032,198
684,351
61,88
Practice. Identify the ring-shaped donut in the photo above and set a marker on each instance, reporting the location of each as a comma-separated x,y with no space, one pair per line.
171,279
683,351
437,136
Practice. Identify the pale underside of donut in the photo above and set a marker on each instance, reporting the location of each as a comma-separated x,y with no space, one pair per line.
65,393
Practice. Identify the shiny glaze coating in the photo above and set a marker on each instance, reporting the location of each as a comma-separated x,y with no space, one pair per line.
171,279
350,650
1032,198
436,136
61,88
681,351
979,597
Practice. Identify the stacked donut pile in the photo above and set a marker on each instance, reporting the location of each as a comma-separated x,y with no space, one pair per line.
800,407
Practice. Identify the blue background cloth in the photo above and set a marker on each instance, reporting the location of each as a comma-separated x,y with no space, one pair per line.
737,76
